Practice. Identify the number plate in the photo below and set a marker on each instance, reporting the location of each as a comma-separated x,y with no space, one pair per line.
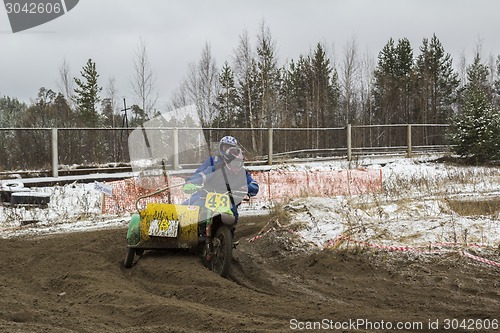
217,201
163,228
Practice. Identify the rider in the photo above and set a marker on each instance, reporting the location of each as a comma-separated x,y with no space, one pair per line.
224,144
232,176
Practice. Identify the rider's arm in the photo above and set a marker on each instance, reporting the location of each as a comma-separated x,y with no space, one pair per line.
253,187
200,175
208,163
198,178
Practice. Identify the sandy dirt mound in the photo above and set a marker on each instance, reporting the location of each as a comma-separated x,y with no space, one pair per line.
76,283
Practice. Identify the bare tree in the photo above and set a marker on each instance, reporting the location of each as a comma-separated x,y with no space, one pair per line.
144,81
366,86
202,85
349,76
111,119
462,69
112,94
179,98
65,84
244,69
491,63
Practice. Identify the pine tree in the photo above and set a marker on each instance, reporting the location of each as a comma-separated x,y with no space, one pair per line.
11,111
64,114
87,99
476,130
268,76
227,99
299,77
40,113
107,112
393,82
385,87
11,114
436,83
87,94
477,77
324,95
404,74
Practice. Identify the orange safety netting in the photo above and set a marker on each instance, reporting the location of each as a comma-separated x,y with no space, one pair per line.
275,185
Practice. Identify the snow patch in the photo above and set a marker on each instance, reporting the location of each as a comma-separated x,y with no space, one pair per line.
413,209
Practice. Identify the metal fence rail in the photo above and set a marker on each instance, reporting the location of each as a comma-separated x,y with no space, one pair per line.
56,149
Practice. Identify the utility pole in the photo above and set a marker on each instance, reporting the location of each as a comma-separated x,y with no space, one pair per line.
125,118
124,123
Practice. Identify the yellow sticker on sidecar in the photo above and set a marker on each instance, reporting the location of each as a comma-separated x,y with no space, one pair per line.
168,220
164,228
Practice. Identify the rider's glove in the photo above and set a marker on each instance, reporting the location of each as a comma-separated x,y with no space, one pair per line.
190,188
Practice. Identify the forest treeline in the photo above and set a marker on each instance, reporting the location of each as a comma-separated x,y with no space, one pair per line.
403,85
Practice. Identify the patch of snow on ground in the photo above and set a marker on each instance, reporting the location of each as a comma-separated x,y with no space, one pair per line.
70,208
413,209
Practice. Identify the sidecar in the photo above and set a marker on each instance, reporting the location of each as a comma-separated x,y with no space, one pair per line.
162,226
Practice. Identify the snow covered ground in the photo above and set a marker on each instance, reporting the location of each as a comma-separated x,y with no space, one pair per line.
73,207
423,202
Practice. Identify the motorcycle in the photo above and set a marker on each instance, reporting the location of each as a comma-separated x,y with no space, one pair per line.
206,228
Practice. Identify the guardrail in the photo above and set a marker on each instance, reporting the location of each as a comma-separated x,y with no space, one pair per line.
56,150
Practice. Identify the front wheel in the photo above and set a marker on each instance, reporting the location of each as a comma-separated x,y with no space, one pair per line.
222,251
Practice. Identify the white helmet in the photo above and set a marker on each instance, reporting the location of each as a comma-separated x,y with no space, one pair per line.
227,141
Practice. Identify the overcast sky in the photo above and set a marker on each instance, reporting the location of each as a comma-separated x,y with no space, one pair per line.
175,32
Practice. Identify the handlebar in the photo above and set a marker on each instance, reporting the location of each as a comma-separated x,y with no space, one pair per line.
166,188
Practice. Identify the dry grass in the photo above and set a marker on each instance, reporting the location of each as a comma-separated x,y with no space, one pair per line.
479,207
277,212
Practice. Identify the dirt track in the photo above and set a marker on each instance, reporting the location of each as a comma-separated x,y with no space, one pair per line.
75,283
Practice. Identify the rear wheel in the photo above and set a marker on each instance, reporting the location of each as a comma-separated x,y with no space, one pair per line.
223,251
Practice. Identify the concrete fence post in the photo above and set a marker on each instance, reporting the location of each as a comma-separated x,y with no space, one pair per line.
270,146
408,141
55,153
176,149
349,143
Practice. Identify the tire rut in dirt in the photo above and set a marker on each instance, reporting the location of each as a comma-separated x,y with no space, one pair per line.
77,283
